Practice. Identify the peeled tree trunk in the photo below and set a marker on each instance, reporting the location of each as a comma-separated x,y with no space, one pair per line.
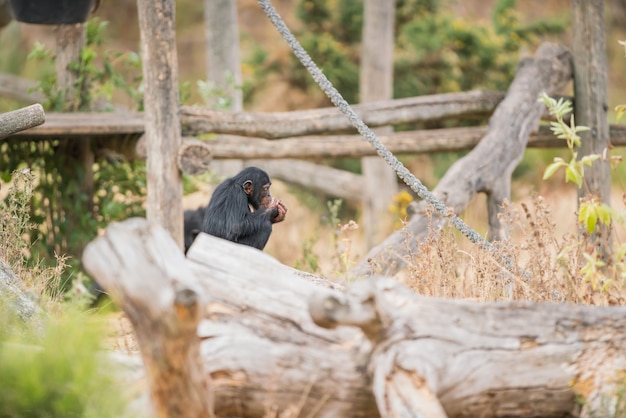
231,331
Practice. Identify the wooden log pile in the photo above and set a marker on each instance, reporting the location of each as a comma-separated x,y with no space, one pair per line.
230,331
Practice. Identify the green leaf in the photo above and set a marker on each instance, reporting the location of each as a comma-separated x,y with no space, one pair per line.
572,174
604,212
547,100
589,159
587,217
552,168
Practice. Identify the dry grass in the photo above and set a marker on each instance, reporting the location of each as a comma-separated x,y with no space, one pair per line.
559,269
15,224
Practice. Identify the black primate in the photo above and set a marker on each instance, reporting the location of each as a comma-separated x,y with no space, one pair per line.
192,225
229,216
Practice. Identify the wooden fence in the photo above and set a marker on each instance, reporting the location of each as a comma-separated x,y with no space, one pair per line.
302,135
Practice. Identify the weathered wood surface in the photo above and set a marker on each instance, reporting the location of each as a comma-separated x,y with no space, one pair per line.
591,110
400,353
87,123
437,358
283,124
488,167
21,119
194,156
162,122
223,67
375,84
328,146
20,88
15,295
473,104
329,180
400,143
70,40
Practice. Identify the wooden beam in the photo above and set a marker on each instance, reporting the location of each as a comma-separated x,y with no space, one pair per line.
85,124
472,104
409,142
19,88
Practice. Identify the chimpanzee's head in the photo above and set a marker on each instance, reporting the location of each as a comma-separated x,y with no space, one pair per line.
256,184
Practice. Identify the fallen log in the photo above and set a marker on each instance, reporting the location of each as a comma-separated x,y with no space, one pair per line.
488,167
256,350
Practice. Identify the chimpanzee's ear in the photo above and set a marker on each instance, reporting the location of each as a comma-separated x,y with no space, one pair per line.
247,187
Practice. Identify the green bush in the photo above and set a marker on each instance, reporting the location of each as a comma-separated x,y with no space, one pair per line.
58,372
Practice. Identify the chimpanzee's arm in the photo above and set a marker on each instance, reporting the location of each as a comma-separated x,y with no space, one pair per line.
256,228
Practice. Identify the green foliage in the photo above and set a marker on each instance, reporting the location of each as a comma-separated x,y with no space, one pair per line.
575,168
596,270
593,211
218,97
52,366
334,59
72,202
57,372
98,74
443,53
435,51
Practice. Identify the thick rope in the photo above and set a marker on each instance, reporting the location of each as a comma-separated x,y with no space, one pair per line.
402,172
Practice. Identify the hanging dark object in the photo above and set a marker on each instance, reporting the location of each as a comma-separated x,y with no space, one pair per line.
52,12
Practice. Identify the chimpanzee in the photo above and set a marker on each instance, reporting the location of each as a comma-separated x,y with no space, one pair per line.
229,216
192,225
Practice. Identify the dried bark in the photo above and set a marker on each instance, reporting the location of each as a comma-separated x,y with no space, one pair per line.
381,351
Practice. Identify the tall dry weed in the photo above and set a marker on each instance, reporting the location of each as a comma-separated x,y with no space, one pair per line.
555,268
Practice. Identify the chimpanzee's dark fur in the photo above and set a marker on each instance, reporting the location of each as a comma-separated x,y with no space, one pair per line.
193,225
229,216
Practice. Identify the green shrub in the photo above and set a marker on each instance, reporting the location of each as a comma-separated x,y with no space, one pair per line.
58,372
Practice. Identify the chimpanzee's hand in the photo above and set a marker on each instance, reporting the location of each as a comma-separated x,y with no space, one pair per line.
282,211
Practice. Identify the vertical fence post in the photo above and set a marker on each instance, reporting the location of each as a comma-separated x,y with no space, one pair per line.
161,106
591,104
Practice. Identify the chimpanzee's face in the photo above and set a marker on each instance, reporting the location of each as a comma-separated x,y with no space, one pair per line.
265,197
